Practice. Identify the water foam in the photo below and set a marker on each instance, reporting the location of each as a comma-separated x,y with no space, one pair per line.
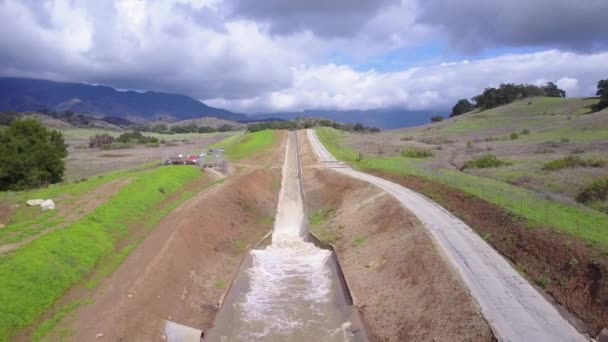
290,280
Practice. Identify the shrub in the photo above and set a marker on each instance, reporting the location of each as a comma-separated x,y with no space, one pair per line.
99,140
469,144
136,137
436,118
485,161
417,153
572,161
407,138
564,140
30,156
596,191
514,136
525,131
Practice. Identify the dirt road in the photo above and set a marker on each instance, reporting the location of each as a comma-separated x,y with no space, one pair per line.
514,309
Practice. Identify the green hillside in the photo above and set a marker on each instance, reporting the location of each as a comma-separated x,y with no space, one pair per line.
534,157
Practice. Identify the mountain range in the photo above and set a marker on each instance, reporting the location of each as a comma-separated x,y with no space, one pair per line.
26,95
23,94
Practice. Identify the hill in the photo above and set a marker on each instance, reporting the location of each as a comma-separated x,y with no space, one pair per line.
24,95
381,118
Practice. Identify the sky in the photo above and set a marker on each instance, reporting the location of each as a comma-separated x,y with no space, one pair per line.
255,56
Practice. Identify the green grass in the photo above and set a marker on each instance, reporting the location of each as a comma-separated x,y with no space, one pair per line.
43,329
572,161
590,225
317,223
485,161
357,242
35,276
417,153
240,146
27,221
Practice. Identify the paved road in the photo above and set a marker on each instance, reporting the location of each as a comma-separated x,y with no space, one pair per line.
514,309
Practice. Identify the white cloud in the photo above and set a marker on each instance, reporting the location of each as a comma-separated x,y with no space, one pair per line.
341,87
202,49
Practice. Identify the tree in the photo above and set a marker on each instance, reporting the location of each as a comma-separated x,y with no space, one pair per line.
30,156
461,107
225,128
359,127
100,140
551,90
602,92
437,118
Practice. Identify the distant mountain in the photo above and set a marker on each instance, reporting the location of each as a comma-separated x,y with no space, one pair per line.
381,118
23,94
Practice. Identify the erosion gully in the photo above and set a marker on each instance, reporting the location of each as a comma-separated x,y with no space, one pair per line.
292,289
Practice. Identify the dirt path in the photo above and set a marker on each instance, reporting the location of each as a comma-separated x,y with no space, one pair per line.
515,310
385,254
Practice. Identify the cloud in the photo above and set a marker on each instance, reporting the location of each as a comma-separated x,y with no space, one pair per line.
336,18
138,44
472,25
439,86
271,55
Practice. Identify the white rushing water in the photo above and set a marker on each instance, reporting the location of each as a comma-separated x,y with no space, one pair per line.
290,295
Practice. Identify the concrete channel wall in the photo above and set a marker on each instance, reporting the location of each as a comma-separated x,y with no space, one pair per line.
351,317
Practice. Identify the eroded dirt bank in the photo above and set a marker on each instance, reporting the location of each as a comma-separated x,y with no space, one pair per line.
574,274
181,269
404,287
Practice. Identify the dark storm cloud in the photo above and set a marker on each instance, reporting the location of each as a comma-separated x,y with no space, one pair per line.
472,25
324,18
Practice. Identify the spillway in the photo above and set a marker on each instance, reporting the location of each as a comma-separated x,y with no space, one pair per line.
291,290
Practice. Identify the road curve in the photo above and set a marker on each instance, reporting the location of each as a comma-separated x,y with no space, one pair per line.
512,307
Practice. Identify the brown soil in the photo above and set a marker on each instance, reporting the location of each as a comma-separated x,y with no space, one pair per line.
404,287
181,269
5,213
574,274
72,209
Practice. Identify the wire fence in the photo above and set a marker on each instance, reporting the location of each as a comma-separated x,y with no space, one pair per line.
564,214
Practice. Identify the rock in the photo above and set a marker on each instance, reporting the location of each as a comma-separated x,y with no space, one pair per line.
34,202
603,336
98,335
47,205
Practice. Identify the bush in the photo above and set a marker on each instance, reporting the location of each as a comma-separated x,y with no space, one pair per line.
596,191
417,153
564,140
573,161
485,161
136,137
525,131
469,144
30,156
100,140
514,136
407,138
437,118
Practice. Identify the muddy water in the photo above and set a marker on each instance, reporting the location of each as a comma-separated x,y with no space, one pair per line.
288,291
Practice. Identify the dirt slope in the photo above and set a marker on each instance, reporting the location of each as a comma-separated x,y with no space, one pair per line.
387,257
182,268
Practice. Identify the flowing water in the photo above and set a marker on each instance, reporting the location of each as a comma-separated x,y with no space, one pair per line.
290,292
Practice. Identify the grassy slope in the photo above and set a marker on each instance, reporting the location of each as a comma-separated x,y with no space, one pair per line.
240,146
589,224
33,277
27,221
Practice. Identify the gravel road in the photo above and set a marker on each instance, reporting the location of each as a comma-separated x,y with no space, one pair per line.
513,308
